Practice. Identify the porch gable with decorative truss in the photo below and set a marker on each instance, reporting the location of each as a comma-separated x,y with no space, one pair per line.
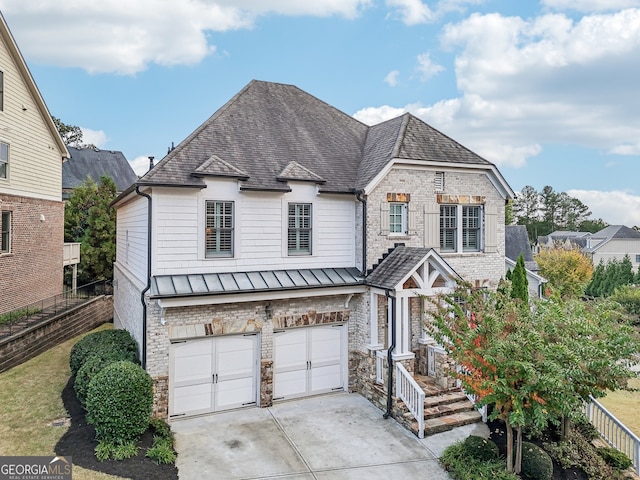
406,272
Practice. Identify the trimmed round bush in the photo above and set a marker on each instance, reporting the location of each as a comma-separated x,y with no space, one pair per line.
615,458
90,369
536,463
119,402
100,342
480,448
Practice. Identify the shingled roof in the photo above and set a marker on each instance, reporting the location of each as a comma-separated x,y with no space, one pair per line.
92,162
274,133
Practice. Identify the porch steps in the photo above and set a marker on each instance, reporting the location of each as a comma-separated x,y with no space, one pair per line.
444,409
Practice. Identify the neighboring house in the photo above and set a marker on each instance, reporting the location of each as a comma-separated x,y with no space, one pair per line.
32,212
84,163
283,247
610,243
516,243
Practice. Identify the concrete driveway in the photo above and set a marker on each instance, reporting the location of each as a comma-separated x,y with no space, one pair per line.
338,436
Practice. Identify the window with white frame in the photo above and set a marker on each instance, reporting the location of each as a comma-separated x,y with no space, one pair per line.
448,228
471,228
461,228
299,231
398,218
4,160
5,232
219,229
637,258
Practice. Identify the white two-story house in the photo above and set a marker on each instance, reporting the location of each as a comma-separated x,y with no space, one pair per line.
284,248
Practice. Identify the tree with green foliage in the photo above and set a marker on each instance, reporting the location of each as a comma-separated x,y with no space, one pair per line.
519,360
71,134
568,270
594,289
90,220
509,219
609,277
519,282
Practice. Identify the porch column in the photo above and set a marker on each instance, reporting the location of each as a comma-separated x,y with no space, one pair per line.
374,343
403,328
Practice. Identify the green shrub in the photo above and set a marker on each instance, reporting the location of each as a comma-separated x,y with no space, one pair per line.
119,402
115,451
536,463
100,342
90,368
586,428
462,466
480,448
615,458
629,297
162,450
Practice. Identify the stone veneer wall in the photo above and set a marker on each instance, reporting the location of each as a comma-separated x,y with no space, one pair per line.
211,320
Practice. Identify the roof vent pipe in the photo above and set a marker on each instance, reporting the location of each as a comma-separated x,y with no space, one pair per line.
151,162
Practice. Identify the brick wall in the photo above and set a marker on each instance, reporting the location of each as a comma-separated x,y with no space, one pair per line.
33,270
481,269
35,340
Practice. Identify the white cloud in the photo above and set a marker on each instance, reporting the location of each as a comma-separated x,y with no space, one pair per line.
427,67
607,205
590,5
375,115
112,36
392,78
94,137
412,12
140,165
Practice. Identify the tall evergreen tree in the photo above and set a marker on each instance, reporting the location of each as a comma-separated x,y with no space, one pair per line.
519,282
625,271
91,220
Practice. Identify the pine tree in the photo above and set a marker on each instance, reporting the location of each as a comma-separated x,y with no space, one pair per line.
625,271
594,289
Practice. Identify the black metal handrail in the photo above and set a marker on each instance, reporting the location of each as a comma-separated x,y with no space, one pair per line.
28,315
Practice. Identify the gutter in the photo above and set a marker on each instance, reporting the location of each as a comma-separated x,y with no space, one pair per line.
360,197
148,286
390,350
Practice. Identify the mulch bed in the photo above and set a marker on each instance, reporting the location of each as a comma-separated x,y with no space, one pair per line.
79,443
498,434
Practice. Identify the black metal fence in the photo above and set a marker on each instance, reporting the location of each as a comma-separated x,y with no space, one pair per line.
37,312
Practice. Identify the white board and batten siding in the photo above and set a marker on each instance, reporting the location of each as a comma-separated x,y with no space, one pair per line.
131,238
260,229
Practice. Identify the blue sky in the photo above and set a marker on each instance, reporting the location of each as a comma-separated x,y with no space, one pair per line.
547,90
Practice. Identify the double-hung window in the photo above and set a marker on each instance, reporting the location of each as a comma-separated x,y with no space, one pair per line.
461,228
5,233
448,228
398,218
4,160
299,231
471,226
219,229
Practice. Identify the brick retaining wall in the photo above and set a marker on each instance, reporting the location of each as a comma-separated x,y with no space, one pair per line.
35,340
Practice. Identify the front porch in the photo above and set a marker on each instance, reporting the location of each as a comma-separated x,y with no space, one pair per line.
425,397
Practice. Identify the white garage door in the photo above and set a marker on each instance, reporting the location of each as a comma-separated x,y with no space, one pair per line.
309,361
212,374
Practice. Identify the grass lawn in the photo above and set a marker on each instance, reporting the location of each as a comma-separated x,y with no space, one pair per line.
625,406
31,401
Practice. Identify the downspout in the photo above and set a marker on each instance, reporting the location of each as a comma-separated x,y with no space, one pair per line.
360,198
148,286
390,350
